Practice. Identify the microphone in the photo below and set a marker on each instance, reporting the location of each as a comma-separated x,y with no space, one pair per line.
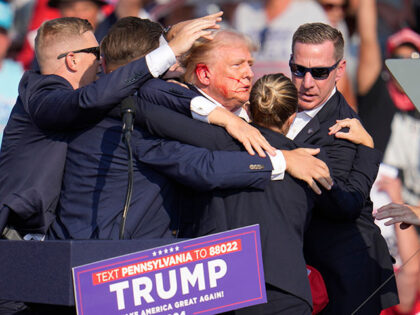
128,112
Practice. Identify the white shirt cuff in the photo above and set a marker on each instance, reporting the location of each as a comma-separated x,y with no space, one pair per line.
279,166
201,107
160,60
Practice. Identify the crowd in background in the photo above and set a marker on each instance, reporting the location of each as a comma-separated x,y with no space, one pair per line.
373,31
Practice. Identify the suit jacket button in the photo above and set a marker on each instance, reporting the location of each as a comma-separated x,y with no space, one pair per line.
256,166
310,130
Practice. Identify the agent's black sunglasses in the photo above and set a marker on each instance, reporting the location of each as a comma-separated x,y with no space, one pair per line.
318,73
90,50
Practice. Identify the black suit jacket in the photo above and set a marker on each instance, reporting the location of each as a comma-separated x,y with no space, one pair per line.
34,142
282,209
95,181
352,256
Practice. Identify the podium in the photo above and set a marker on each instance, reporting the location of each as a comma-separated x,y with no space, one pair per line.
41,272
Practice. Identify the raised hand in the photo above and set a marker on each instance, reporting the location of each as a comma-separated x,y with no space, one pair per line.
183,35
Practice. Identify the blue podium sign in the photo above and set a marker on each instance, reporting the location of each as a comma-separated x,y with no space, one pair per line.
206,275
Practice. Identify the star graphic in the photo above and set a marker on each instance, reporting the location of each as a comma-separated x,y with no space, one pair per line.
154,253
160,252
176,248
171,249
166,250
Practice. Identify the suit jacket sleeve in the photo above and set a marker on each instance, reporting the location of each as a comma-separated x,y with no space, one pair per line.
170,95
200,168
56,105
166,123
346,198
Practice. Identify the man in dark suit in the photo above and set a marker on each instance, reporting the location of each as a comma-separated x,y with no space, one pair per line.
93,190
356,259
352,257
220,72
58,99
52,102
209,221
282,209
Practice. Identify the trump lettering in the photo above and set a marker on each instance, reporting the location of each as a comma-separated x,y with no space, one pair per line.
148,289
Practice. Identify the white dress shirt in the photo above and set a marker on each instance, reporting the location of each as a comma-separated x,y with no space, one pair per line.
202,106
303,117
160,59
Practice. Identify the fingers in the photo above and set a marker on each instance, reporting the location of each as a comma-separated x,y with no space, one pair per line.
253,139
248,147
314,187
209,37
333,129
259,150
325,182
344,135
338,125
356,134
198,25
301,164
344,123
190,32
322,176
391,222
204,33
260,144
213,16
383,211
310,151
250,137
392,210
256,144
266,146
320,173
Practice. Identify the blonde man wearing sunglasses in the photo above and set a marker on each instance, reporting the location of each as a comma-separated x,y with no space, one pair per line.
64,97
352,257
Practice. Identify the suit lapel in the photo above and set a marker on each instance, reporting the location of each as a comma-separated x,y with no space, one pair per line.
311,128
314,124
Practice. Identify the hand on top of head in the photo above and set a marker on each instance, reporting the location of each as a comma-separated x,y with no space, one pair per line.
183,35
